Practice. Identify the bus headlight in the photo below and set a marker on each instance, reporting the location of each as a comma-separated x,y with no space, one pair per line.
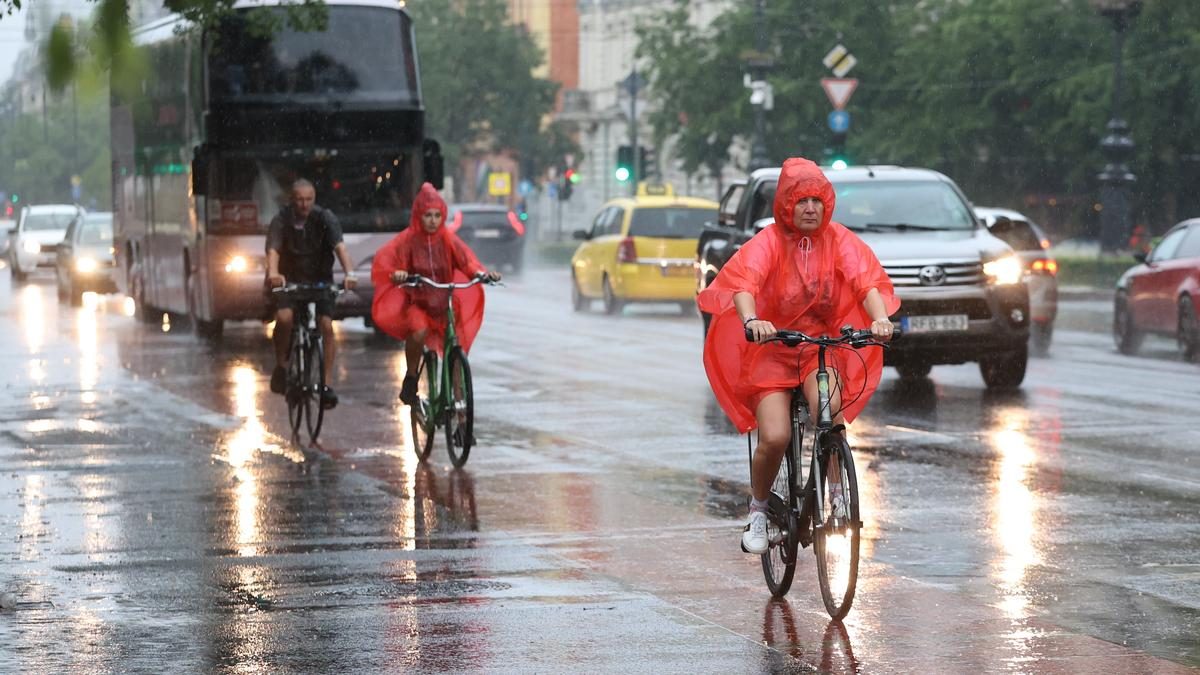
31,247
1004,271
237,264
86,265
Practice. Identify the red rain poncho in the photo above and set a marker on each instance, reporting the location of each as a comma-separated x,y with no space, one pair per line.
441,256
812,282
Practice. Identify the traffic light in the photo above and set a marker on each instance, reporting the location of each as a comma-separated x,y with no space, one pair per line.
566,185
838,159
647,162
624,163
15,198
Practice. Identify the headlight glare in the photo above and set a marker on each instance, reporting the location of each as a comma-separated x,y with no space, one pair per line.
86,265
1004,271
237,264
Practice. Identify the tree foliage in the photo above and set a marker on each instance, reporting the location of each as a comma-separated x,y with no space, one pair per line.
480,91
1008,97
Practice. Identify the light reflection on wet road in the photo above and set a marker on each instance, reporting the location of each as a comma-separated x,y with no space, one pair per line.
155,512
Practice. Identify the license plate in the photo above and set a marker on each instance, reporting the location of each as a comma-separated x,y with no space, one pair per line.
933,324
676,270
487,234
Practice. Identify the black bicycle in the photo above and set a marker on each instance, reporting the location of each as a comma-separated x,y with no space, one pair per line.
306,360
821,514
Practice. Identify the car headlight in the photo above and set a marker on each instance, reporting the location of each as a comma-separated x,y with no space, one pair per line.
1004,271
237,264
31,247
86,265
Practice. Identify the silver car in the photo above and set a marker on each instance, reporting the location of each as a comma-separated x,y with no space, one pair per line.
1041,269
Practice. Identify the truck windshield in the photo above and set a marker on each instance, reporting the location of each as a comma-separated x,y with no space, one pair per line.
915,205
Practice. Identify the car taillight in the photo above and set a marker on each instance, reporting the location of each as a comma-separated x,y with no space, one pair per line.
627,251
1044,266
516,223
455,222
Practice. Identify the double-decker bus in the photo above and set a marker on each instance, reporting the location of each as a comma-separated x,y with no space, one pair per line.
205,152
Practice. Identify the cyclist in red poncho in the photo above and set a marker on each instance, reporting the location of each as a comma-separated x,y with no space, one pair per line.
417,315
803,273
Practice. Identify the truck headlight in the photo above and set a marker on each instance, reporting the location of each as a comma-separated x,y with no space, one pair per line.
31,247
1004,271
237,264
86,265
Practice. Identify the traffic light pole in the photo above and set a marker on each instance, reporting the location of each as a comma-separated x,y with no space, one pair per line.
633,130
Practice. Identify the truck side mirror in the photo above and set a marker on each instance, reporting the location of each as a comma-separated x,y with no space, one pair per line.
200,171
432,163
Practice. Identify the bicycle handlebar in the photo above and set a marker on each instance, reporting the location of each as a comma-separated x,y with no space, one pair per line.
416,279
297,288
854,338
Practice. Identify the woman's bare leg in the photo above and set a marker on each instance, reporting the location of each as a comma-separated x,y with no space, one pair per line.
774,434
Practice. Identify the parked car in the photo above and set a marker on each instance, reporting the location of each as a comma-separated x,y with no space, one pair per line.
86,258
1041,269
35,240
493,231
640,249
1161,293
962,291
7,227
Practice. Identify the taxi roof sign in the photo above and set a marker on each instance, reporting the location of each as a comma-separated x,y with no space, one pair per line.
655,190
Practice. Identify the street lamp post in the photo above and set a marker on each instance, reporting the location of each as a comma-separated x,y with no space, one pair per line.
759,63
1117,146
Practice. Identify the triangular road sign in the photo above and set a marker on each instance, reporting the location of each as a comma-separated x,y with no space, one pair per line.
839,90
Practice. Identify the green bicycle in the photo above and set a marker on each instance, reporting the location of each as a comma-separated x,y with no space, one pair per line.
445,395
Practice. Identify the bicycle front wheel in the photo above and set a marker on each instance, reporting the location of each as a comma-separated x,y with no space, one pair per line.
779,561
294,391
460,418
837,527
421,416
314,373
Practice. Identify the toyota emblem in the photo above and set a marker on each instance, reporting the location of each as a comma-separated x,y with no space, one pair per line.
932,275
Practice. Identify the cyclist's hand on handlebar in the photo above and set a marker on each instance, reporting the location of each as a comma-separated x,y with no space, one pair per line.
882,330
276,280
399,276
760,330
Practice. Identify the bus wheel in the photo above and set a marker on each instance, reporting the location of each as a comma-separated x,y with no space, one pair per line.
208,330
140,310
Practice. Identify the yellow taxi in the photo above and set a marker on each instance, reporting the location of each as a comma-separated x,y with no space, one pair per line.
640,249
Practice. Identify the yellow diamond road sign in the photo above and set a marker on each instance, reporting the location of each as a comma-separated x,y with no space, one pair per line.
500,184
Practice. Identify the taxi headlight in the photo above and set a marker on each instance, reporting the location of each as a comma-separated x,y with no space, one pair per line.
86,265
31,247
1004,271
237,264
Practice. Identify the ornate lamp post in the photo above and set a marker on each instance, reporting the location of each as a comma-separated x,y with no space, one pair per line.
761,97
1117,146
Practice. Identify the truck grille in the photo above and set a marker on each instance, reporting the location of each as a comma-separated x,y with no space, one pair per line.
957,273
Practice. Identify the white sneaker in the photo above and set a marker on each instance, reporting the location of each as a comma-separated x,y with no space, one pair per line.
754,538
840,507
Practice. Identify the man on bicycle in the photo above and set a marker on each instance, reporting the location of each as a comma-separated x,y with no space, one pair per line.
301,243
807,273
418,315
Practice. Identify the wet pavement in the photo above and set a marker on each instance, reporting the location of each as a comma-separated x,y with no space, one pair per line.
154,515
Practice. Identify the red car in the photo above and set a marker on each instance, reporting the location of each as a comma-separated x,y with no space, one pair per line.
1161,294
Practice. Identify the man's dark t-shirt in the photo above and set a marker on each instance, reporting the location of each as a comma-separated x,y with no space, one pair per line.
305,249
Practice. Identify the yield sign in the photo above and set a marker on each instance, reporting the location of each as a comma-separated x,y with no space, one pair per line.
839,90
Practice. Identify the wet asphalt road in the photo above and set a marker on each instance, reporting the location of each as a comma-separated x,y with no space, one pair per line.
154,516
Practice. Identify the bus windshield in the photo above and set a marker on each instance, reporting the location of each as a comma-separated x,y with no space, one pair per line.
364,55
363,189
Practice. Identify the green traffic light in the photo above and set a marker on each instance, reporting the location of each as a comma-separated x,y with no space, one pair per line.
16,198
622,174
839,164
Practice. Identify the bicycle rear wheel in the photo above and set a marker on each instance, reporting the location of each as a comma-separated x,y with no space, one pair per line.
836,536
314,372
294,390
421,415
779,561
460,418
